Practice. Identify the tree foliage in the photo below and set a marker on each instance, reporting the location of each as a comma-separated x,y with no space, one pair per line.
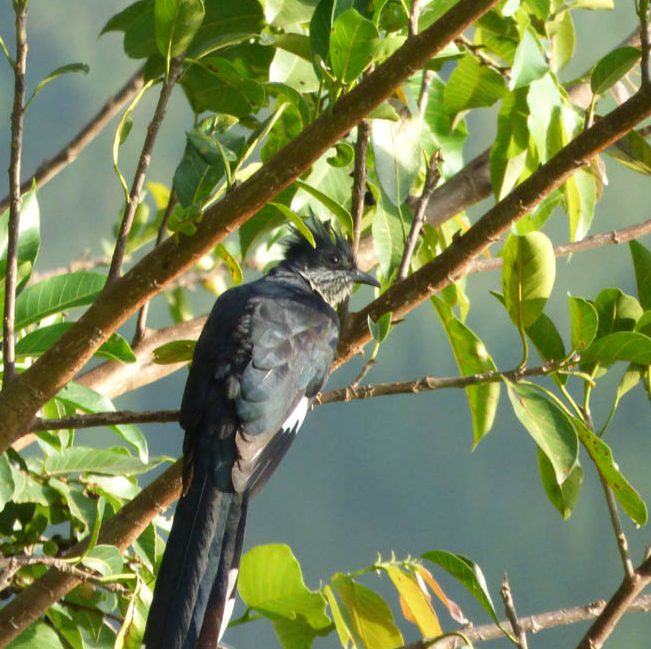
278,92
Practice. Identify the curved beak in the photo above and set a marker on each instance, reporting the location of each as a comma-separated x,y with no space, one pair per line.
359,277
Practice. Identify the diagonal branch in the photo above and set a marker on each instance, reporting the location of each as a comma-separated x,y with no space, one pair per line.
119,300
15,159
68,154
141,168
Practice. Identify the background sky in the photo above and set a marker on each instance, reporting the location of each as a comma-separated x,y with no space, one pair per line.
394,474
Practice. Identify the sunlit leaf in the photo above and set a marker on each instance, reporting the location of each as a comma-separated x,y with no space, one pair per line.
344,633
528,273
38,634
105,559
617,311
81,459
629,346
472,85
176,23
353,41
296,221
529,63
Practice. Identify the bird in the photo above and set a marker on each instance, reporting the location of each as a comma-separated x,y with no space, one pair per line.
263,355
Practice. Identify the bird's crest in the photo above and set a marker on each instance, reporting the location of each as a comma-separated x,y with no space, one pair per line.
325,238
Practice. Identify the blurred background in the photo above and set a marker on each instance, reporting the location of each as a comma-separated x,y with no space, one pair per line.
393,474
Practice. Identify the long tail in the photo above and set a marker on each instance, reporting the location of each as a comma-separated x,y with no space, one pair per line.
195,588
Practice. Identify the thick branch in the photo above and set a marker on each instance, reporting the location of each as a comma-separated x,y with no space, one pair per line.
15,156
68,154
359,181
452,263
30,390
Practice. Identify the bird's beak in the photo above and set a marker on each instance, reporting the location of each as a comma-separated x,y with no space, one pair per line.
360,277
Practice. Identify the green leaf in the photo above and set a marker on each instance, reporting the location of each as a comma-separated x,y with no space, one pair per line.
353,43
296,221
380,329
633,151
64,69
367,614
529,63
468,573
397,150
178,351
231,263
563,40
584,322
271,582
176,23
612,67
472,85
344,154
65,625
137,23
7,484
342,215
629,346
472,358
105,559
602,456
57,294
344,633
549,426
29,240
528,272
509,151
81,459
617,311
388,237
642,264
580,197
546,339
38,634
37,342
563,496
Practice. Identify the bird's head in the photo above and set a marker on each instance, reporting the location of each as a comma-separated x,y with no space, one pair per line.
330,267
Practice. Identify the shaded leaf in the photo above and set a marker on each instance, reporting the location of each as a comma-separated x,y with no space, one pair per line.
642,264
617,311
81,459
176,23
549,426
472,358
602,456
563,496
629,346
472,85
296,221
105,559
64,69
178,351
7,484
633,151
342,215
38,634
612,67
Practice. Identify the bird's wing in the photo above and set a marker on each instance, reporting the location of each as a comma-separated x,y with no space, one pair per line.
294,342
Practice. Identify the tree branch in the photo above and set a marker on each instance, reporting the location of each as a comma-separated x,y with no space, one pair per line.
141,169
30,390
453,262
68,154
111,418
15,158
359,182
511,614
532,623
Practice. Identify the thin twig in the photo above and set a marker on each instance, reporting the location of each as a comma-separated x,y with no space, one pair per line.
532,623
512,615
141,168
414,15
616,522
141,324
11,565
359,181
69,153
17,118
479,51
432,177
350,393
111,418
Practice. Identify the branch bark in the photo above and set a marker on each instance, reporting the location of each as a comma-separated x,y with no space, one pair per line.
23,398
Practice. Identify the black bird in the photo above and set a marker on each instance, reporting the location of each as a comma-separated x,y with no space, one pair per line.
264,353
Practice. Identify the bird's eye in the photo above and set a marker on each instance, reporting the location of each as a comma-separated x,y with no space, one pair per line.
335,259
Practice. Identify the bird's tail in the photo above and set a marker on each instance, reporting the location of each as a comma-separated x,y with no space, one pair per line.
195,589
